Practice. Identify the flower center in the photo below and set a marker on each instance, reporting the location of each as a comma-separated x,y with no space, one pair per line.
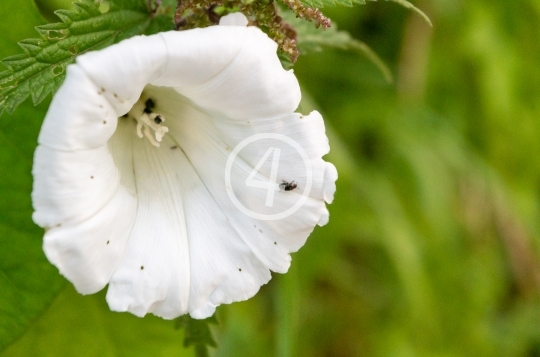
149,123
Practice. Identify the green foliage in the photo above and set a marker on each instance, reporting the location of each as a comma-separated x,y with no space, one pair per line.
135,5
433,242
323,3
285,60
410,6
83,326
197,333
432,248
311,39
41,69
28,283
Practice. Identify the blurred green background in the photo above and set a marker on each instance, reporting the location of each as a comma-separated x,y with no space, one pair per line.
433,246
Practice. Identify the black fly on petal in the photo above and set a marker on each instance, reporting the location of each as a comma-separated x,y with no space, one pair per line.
287,186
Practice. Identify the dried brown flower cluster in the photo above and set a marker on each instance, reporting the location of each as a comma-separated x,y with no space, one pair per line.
261,13
308,13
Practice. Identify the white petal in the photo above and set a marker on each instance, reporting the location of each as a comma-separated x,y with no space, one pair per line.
234,19
204,145
121,72
162,272
70,187
224,268
308,131
240,74
87,253
79,118
89,228
156,261
174,241
330,177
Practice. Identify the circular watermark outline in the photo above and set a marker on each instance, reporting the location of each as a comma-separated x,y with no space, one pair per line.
275,216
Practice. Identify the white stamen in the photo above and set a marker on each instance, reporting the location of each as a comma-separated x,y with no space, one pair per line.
139,129
146,123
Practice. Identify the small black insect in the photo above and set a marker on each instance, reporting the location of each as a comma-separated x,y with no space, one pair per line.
287,186
149,105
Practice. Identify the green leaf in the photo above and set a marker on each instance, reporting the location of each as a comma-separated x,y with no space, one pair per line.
287,302
40,70
410,6
158,24
285,60
136,5
83,326
323,3
28,283
311,39
197,333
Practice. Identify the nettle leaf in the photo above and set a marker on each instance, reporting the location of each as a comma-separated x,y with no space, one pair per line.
197,333
323,3
311,39
28,282
41,69
136,5
83,326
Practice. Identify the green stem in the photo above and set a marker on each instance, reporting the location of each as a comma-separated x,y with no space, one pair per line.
287,313
201,351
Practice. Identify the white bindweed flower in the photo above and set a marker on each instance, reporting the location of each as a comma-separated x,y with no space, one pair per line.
129,172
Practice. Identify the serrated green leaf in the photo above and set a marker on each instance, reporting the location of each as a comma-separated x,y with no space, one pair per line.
66,16
30,47
91,9
311,39
41,69
197,333
136,5
14,62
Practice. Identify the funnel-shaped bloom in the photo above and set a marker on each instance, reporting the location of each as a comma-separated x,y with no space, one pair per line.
129,172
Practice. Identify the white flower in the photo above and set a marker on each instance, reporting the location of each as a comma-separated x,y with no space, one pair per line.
129,172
